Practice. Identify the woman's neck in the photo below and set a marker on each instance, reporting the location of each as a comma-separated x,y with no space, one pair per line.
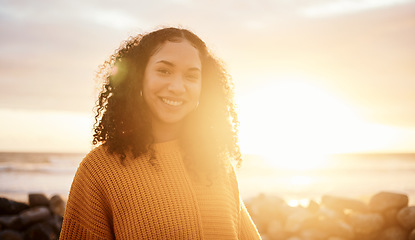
163,132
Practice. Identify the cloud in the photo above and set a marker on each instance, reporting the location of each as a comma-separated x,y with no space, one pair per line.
330,8
51,49
112,18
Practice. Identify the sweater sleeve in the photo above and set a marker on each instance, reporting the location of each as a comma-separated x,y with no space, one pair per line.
247,228
87,214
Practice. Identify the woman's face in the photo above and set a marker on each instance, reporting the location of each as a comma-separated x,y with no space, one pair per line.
172,82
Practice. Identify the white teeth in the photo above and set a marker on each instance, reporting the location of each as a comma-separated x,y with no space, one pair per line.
171,102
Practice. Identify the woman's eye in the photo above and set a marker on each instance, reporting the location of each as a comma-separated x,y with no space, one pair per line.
164,71
193,77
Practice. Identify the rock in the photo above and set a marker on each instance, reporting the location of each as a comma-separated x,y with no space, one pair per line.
393,233
57,205
10,235
41,231
313,206
387,200
295,220
294,238
336,227
275,230
33,215
11,222
336,238
371,236
330,213
264,209
313,234
412,235
38,199
390,217
10,207
55,222
341,203
366,223
406,217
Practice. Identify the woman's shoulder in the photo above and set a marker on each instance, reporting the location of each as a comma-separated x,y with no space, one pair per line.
100,156
99,152
102,159
229,165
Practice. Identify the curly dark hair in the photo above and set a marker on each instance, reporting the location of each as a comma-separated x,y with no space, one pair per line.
122,120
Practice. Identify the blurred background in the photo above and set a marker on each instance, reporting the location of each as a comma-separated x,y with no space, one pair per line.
325,88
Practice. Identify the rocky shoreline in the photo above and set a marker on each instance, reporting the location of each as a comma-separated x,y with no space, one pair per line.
387,216
40,218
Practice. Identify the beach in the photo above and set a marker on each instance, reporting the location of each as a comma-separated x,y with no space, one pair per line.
387,216
282,197
349,175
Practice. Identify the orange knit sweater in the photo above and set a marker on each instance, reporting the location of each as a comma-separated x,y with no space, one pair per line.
139,200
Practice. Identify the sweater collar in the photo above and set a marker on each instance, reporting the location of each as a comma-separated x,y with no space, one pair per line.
169,146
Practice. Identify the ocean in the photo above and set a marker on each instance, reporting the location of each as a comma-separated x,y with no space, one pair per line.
296,180
50,173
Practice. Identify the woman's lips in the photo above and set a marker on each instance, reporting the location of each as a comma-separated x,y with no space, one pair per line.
172,102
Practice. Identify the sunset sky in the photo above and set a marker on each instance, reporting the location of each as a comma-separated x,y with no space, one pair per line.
311,76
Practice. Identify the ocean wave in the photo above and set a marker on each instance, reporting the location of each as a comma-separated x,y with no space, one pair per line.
46,170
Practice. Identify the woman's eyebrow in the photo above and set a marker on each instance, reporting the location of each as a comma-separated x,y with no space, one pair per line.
173,65
195,69
166,62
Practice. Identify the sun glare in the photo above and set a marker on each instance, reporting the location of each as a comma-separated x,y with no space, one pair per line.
301,202
295,124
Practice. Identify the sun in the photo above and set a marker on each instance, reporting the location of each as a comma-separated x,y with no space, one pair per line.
295,124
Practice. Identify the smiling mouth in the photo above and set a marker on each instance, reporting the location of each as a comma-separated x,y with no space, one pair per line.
172,102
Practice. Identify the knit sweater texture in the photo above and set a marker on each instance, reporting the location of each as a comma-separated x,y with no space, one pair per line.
141,199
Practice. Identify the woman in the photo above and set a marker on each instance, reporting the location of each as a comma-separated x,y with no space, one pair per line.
166,128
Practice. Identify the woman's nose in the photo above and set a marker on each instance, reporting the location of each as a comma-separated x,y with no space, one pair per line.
177,86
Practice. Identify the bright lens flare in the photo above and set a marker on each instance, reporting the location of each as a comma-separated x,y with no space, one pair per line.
300,180
295,124
298,202
297,161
